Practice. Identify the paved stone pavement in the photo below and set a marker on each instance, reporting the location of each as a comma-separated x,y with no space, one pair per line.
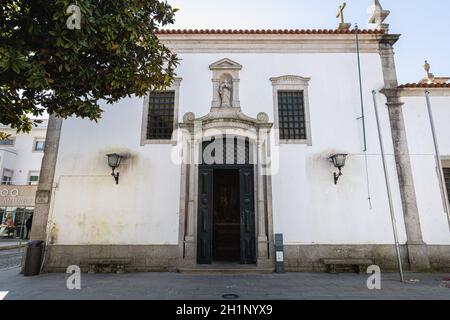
167,286
6,244
10,258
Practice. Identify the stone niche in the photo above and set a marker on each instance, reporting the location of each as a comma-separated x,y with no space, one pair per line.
225,84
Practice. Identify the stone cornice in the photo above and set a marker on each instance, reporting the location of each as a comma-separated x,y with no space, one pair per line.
420,92
274,43
290,79
390,38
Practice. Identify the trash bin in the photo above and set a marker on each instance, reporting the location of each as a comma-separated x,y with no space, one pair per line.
33,259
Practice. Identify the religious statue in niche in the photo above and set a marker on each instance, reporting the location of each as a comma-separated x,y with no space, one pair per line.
225,90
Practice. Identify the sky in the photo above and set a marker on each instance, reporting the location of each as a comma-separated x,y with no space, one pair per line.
424,25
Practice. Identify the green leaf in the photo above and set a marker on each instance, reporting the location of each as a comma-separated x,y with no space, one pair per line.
104,58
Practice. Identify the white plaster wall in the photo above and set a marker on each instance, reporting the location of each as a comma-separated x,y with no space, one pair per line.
21,158
433,219
89,208
308,207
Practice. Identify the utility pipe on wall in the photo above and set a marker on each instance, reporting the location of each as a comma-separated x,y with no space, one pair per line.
388,188
438,159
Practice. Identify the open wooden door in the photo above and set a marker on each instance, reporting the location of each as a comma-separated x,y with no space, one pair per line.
247,211
205,216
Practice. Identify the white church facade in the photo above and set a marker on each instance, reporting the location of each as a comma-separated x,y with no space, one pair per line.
239,149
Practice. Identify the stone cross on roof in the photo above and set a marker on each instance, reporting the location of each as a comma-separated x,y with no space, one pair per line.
340,15
378,16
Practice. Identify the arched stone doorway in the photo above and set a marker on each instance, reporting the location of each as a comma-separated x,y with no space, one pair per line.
241,170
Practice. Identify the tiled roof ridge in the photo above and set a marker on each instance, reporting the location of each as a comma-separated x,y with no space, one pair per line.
268,31
424,85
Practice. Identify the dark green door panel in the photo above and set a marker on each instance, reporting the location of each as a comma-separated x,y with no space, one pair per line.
205,216
247,208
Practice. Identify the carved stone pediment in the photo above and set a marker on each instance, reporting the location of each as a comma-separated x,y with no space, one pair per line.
290,79
225,64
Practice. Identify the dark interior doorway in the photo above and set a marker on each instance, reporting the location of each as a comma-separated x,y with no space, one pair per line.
226,208
226,217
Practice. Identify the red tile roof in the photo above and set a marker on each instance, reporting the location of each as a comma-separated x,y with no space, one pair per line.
424,85
268,31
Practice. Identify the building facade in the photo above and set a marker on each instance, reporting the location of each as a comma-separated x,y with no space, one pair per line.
20,164
239,148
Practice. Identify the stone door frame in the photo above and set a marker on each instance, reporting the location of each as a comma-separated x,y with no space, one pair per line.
231,122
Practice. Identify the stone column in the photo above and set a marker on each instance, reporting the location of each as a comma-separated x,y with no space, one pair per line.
236,103
216,97
262,252
47,174
417,249
190,220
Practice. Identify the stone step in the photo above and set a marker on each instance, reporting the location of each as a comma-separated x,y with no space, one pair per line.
205,270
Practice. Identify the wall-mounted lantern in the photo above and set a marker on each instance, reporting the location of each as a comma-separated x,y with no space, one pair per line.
114,162
339,162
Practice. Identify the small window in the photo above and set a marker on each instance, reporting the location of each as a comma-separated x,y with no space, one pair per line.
160,123
291,115
39,145
160,115
7,176
33,178
7,142
291,110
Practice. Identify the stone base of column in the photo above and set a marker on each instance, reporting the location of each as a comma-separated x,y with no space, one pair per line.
189,259
265,263
263,260
418,256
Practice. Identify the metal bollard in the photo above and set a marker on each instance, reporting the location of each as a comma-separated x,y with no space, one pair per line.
279,266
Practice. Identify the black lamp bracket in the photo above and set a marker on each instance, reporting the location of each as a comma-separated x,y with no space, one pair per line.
337,176
115,176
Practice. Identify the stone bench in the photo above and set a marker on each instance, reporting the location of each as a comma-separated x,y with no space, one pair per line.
107,265
358,265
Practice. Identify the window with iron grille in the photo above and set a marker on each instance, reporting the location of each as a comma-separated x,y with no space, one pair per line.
447,180
161,115
291,115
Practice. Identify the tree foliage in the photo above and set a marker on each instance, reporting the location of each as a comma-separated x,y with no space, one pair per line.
44,65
